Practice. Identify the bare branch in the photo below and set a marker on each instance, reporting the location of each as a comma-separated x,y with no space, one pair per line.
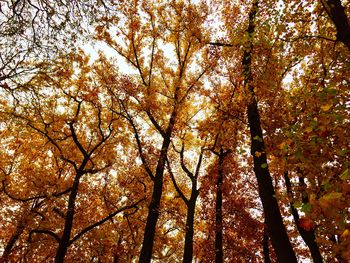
87,229
43,231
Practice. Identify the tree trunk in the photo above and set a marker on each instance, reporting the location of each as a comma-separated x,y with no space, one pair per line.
337,14
152,218
153,210
191,209
307,235
68,224
276,229
266,249
19,230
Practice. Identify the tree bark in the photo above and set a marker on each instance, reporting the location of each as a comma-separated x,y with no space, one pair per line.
266,249
68,224
191,209
336,13
153,212
276,229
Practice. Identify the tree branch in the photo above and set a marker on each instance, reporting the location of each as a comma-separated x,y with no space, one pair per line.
43,231
87,229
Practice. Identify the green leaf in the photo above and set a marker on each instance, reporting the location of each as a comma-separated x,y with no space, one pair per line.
242,150
343,152
264,165
332,91
257,138
332,196
298,154
306,208
345,175
298,204
326,185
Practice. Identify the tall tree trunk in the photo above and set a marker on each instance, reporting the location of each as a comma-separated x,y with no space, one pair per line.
68,224
307,235
153,210
337,14
190,203
266,249
219,255
276,229
191,209
152,218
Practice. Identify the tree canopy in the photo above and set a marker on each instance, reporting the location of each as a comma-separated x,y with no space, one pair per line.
175,131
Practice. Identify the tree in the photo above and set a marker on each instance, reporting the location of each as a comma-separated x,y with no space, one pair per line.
73,147
40,29
159,85
275,226
190,202
139,150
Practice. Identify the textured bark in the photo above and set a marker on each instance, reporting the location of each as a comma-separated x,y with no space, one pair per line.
276,229
337,14
307,235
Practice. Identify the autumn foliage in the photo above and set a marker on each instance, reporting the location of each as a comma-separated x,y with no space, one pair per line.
175,131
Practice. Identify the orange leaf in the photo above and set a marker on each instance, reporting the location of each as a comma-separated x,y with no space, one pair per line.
306,223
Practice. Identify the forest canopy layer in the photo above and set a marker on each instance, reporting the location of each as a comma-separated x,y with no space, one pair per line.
174,131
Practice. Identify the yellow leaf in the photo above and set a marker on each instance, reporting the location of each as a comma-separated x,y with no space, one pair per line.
332,196
308,129
345,234
326,107
327,200
312,199
282,145
258,154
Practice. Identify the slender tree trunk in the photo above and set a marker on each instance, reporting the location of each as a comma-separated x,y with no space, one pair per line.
219,255
275,226
190,203
276,229
266,249
191,209
337,14
19,230
307,235
153,210
152,218
68,224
